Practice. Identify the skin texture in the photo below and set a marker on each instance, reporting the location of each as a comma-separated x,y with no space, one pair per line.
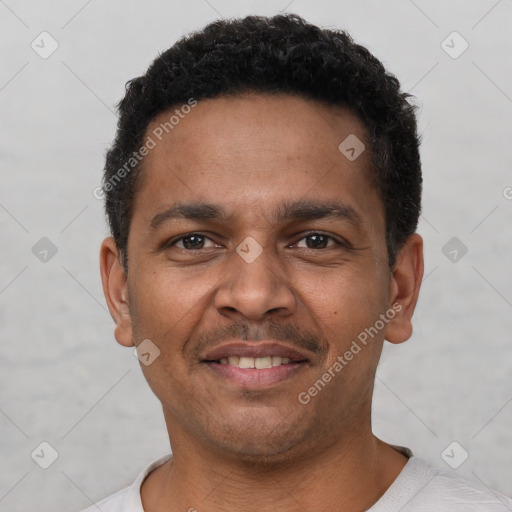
236,447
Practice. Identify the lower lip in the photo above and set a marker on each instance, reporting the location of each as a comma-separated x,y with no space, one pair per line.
254,377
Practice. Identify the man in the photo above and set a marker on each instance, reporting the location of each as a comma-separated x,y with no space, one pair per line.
263,194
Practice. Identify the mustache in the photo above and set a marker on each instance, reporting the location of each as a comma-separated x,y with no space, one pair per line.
296,337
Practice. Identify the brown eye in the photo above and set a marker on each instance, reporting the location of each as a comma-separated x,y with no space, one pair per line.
318,241
193,241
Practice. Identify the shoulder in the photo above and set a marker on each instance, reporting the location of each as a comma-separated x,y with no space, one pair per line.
127,499
467,494
437,489
116,502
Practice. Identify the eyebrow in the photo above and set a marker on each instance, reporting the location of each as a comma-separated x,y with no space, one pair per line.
192,211
298,210
311,210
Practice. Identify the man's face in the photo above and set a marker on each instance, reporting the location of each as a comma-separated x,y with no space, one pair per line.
254,266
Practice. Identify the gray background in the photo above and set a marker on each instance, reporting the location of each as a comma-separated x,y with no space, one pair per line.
64,379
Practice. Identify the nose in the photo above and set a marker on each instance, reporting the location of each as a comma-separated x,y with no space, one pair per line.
254,289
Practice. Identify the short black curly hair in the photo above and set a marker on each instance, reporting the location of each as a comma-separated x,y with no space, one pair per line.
279,54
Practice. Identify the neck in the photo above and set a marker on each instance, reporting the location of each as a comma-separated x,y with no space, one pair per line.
350,474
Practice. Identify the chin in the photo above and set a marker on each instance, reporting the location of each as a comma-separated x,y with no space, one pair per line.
265,441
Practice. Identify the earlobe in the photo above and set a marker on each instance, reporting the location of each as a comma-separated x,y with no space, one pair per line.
114,283
405,283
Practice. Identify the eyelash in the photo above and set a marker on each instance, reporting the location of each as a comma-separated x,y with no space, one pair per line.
172,243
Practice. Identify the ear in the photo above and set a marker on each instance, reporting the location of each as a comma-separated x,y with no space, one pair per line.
404,287
115,289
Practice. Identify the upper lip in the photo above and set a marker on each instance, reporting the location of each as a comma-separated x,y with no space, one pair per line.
255,349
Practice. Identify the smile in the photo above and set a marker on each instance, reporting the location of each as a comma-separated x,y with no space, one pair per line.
256,364
259,363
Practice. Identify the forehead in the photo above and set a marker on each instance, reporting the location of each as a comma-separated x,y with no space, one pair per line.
254,152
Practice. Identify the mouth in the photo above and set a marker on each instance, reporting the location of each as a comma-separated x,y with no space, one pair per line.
256,366
260,363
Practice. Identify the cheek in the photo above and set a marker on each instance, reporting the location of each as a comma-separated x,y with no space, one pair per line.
166,309
345,306
165,299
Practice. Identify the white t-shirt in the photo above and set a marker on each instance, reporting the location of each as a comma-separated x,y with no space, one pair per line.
418,488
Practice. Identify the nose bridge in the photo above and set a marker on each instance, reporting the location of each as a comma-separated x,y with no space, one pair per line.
254,283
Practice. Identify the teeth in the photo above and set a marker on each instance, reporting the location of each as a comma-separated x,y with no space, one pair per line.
255,362
246,362
233,360
263,362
